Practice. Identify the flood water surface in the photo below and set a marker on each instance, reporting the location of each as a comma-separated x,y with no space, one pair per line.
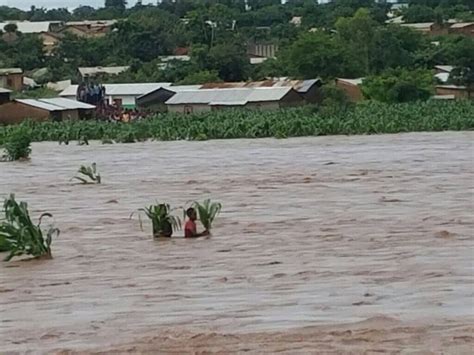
316,235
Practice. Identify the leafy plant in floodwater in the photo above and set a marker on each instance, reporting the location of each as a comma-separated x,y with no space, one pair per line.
207,211
19,235
107,140
83,141
162,219
17,145
91,176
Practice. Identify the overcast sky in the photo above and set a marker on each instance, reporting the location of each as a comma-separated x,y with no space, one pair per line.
26,4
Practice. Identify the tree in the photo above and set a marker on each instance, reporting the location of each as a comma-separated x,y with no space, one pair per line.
230,61
116,4
394,46
318,54
83,12
358,34
201,77
399,85
10,28
418,13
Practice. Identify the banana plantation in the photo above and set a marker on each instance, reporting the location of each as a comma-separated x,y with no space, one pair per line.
364,118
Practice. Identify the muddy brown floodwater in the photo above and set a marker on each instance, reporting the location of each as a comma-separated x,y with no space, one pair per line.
330,244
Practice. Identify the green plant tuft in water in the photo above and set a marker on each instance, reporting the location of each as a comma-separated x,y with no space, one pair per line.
207,211
90,174
20,236
162,219
18,145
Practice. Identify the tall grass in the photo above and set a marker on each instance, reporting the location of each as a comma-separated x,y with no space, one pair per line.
364,118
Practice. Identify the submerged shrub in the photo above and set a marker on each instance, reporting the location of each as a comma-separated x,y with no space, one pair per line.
18,145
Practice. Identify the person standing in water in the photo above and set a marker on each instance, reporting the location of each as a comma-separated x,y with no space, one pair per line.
190,230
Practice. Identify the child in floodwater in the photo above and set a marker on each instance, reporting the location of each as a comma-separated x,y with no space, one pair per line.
190,230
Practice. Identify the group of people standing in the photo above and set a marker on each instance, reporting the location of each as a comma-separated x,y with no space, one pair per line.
91,93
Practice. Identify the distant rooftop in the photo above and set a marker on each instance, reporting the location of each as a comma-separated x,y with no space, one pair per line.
237,96
462,24
56,104
93,23
90,71
445,68
134,89
357,81
301,86
6,71
31,27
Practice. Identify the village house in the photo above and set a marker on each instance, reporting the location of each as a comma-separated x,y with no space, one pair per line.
89,29
50,41
120,95
11,78
456,91
443,72
205,100
56,109
309,90
462,28
47,31
430,28
155,100
351,87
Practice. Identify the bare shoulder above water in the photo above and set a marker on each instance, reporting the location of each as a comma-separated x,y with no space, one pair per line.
335,244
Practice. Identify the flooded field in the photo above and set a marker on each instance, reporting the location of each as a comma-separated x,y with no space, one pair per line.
326,244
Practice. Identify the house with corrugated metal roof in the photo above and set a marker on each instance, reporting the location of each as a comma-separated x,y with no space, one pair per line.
11,78
430,28
120,95
155,100
462,28
205,100
309,89
56,109
351,88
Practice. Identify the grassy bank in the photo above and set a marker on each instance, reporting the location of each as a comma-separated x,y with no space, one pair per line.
365,118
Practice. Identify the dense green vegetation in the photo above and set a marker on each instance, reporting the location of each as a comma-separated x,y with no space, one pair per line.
365,118
17,144
19,235
345,38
